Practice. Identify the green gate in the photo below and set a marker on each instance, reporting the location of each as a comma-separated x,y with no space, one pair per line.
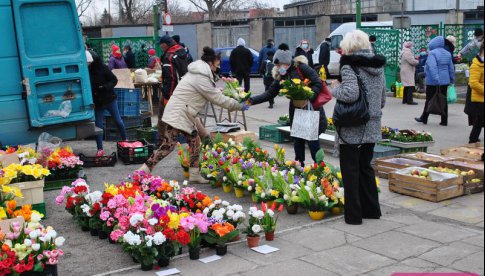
420,35
463,34
388,45
140,46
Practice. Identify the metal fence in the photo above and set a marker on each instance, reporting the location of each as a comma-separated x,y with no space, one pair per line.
139,45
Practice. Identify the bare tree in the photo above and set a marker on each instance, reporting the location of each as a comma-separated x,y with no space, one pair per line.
215,7
82,6
134,11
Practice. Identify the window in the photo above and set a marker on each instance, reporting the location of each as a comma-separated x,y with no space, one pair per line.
336,39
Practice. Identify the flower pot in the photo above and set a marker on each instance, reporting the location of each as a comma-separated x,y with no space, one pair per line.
336,211
269,236
217,184
94,232
85,228
300,103
50,270
254,198
253,241
318,215
269,203
194,253
187,173
292,209
112,241
221,250
146,267
135,260
103,235
227,188
236,238
239,192
163,262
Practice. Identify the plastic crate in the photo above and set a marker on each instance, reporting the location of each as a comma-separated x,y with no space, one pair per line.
128,102
147,122
113,135
58,184
273,134
144,106
135,155
385,151
149,134
99,162
40,207
130,122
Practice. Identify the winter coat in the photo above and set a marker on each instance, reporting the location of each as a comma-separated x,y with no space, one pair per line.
241,60
195,90
476,80
371,70
309,55
117,63
153,61
324,59
422,63
451,48
103,82
308,73
130,59
439,66
475,44
408,68
263,55
174,67
267,72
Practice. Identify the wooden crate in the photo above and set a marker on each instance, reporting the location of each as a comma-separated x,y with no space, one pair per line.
237,137
470,153
386,165
470,186
426,157
33,192
435,191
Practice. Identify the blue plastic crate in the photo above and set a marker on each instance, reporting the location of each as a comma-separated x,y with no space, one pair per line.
130,122
113,135
128,102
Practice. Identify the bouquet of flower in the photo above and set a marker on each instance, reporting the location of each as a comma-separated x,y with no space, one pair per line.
296,89
184,157
63,164
234,91
223,211
26,155
271,215
142,246
331,125
10,210
313,198
7,201
16,173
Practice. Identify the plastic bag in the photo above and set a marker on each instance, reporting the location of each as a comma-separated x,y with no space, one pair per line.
47,144
452,97
141,76
64,110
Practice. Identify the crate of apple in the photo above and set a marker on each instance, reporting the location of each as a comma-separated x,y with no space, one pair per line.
424,174
453,171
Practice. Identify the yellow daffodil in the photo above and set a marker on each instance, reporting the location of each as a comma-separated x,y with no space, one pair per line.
275,193
312,178
3,214
307,169
296,81
284,91
111,189
339,175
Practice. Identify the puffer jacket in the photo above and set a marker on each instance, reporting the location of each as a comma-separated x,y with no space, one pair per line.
307,72
194,91
476,80
408,67
371,70
439,66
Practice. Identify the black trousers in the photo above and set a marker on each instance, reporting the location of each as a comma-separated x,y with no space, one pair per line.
408,97
246,77
300,145
267,87
478,124
361,194
430,92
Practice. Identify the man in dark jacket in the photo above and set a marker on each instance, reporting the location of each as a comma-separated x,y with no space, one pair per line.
130,58
241,61
324,58
267,73
263,55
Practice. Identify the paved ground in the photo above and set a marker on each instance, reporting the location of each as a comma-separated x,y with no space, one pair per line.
413,236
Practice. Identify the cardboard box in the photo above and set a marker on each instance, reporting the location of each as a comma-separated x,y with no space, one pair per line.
33,192
237,137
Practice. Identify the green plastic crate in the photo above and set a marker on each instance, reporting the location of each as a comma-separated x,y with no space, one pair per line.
273,134
385,151
40,207
59,184
149,134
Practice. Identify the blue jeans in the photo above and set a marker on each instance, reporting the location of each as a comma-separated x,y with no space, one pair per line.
300,149
115,114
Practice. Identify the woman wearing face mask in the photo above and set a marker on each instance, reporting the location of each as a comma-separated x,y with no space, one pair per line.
305,50
286,68
476,84
194,91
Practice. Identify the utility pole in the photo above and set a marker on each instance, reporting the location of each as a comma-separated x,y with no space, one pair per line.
156,28
165,9
109,12
359,14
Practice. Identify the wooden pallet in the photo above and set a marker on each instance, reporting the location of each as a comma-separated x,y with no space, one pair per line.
435,191
386,165
470,187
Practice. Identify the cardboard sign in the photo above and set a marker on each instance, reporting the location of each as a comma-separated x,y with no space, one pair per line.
5,224
9,159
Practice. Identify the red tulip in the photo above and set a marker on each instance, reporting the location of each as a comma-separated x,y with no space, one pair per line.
280,209
264,207
274,206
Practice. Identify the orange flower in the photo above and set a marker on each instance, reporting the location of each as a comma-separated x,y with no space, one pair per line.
307,82
5,248
222,229
2,235
11,206
207,201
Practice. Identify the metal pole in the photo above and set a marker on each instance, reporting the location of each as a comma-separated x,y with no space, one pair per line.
359,14
109,12
156,28
166,11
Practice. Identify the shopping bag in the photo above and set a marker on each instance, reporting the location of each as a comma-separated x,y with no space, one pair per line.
452,97
306,124
437,104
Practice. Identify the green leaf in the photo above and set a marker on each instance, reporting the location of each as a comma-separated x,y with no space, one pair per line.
320,157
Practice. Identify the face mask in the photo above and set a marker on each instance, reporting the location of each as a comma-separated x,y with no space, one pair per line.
305,46
283,71
423,54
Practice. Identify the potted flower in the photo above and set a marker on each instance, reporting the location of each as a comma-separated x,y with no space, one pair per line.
220,234
195,225
28,178
236,178
142,247
314,200
64,166
92,210
270,219
254,227
7,201
184,159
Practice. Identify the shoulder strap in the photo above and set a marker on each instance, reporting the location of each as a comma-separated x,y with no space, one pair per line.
299,72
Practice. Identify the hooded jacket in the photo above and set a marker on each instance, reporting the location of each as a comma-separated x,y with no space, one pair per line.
103,82
324,58
308,54
241,59
263,55
174,67
300,63
476,80
195,90
371,70
408,67
439,66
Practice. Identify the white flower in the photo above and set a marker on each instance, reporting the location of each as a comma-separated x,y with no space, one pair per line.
252,210
34,234
225,203
250,188
59,241
222,211
238,208
206,211
186,183
259,214
270,212
308,188
286,197
51,235
256,229
27,242
135,219
319,190
131,238
217,202
212,206
294,193
94,197
35,217
86,209
239,183
159,238
36,247
230,213
224,179
149,241
263,195
153,221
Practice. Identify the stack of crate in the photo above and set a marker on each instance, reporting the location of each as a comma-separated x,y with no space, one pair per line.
129,101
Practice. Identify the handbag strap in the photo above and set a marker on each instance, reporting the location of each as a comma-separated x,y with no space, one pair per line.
299,72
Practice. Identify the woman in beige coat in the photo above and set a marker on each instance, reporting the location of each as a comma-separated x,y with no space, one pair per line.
408,73
195,90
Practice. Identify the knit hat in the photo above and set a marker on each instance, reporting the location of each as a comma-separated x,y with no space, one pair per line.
152,52
176,38
478,32
241,42
89,57
166,40
115,51
408,44
451,39
282,57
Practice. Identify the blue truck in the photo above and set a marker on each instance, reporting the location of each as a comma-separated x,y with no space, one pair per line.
43,71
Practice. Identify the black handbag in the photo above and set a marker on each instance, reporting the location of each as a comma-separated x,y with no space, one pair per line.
437,104
353,114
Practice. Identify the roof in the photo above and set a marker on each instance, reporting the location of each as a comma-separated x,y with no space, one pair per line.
301,3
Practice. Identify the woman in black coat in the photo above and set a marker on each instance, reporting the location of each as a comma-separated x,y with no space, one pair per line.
305,50
103,82
286,68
